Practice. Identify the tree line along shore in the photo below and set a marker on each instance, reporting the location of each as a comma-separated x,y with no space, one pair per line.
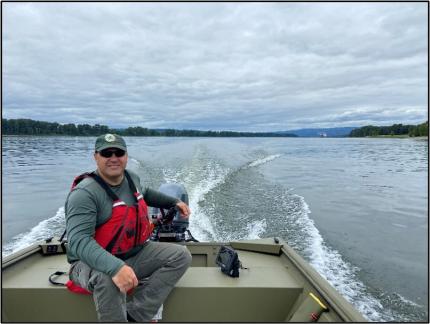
34,127
398,130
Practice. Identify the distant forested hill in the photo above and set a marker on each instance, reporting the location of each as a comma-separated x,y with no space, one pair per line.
396,129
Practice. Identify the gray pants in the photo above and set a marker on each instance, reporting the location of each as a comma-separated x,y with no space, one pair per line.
158,266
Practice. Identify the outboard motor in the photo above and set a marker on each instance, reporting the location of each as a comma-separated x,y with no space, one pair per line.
169,225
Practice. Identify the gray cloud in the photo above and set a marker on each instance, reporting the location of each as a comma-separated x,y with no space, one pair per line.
235,66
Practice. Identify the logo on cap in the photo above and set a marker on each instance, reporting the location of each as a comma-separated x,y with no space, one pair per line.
110,138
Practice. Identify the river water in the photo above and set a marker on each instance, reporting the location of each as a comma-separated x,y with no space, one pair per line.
356,209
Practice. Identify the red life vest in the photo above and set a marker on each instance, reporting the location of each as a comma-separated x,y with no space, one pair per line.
127,227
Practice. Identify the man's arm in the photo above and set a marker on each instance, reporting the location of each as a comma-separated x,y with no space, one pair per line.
158,199
81,218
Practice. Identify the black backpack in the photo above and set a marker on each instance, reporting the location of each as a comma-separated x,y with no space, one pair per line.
228,260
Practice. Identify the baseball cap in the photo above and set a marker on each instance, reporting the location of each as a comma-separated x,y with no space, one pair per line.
110,140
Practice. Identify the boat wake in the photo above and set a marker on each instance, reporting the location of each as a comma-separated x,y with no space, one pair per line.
327,261
53,226
200,178
263,160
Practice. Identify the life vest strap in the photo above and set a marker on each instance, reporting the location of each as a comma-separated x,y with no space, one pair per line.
81,177
106,187
131,184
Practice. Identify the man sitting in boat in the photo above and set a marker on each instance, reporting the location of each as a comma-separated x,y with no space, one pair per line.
108,230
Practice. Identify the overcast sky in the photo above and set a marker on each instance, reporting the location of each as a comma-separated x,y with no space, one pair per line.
218,66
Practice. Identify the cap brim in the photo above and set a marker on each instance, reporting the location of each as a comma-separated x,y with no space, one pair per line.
121,147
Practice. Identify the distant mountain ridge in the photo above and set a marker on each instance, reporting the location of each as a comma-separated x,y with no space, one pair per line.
318,132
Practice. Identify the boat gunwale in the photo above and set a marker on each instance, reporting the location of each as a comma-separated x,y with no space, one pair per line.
346,311
20,254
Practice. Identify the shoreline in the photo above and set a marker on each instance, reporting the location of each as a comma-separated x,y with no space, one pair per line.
399,136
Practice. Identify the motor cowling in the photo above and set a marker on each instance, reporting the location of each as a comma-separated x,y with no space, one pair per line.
169,225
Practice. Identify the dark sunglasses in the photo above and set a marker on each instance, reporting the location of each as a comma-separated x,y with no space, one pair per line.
107,153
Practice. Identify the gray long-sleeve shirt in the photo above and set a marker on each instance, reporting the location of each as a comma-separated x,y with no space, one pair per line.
88,206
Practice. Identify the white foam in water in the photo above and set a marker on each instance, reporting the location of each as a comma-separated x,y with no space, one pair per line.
213,175
408,302
171,176
256,228
399,225
198,185
41,231
135,161
338,272
264,160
